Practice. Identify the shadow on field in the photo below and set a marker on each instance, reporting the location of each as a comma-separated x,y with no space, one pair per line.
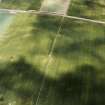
88,47
48,23
46,28
82,87
21,78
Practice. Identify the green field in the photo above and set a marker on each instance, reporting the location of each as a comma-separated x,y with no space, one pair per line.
24,55
21,4
74,74
93,9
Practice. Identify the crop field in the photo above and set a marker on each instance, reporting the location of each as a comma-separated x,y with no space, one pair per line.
20,4
51,60
93,9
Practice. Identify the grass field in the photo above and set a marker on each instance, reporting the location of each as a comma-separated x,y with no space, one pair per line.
75,74
21,4
24,55
93,9
78,66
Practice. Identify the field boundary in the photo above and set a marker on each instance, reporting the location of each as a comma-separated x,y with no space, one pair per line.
13,11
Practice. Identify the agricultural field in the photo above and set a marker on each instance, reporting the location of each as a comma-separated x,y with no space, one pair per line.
51,60
92,9
21,4
73,74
